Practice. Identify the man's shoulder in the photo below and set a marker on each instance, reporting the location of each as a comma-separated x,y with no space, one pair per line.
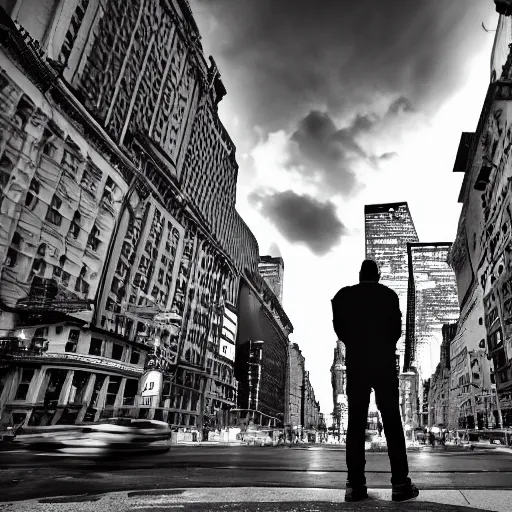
342,292
386,289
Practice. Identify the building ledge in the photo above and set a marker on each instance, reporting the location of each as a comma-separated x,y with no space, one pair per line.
79,360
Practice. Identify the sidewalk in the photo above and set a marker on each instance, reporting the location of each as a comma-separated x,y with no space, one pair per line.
268,499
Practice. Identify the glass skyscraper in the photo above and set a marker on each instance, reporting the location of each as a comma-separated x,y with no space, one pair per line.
432,302
388,229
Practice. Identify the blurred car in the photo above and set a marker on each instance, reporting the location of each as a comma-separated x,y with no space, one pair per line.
112,437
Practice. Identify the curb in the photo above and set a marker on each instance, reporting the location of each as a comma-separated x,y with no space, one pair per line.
227,498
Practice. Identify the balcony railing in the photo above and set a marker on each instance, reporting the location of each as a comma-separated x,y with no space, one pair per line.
12,345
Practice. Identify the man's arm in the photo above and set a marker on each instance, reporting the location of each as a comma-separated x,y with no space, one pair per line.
336,320
337,315
396,319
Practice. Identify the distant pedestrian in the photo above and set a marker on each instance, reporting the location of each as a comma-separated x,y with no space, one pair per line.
379,428
367,319
432,439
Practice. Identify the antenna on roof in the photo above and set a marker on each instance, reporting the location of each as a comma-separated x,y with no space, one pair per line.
486,29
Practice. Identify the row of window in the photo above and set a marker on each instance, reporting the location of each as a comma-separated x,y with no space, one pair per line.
54,380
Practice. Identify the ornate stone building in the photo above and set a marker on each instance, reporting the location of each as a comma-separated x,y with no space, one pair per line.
121,251
481,253
438,401
295,392
339,387
272,270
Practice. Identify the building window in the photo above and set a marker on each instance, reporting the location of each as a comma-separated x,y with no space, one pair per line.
98,384
130,391
31,197
78,387
93,242
74,335
53,215
135,357
56,380
72,33
25,380
96,347
117,351
74,228
112,390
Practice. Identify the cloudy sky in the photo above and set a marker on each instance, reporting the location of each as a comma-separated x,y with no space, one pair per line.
335,104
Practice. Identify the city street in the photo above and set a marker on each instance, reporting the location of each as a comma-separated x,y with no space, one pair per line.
28,476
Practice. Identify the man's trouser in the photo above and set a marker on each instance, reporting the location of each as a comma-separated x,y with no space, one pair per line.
384,381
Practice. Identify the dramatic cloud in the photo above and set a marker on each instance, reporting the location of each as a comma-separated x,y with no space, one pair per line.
330,156
301,219
288,57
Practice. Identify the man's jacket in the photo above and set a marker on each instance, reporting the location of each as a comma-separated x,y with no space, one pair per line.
367,319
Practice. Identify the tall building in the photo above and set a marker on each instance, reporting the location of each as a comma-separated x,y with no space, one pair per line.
122,255
438,405
481,254
388,229
272,270
296,381
339,387
431,302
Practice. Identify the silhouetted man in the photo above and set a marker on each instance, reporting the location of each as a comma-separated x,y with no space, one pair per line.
367,319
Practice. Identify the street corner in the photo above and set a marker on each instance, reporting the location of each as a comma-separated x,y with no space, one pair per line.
268,499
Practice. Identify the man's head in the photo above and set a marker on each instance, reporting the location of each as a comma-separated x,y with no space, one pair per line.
369,271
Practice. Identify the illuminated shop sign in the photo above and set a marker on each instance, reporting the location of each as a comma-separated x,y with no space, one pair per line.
227,349
151,383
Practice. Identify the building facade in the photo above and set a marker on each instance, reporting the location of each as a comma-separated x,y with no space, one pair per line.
431,302
295,392
481,253
272,270
388,229
339,388
261,364
310,411
438,398
122,254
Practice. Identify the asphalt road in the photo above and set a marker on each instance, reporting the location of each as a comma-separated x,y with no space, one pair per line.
28,476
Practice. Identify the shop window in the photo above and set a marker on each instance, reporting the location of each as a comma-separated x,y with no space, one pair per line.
135,357
78,387
56,380
24,384
96,347
112,390
98,384
130,391
74,335
117,351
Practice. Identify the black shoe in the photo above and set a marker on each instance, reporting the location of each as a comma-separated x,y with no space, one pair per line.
405,491
357,493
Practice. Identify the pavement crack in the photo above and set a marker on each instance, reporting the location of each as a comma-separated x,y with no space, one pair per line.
465,497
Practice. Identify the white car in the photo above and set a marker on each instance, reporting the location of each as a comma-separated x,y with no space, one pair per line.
115,436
